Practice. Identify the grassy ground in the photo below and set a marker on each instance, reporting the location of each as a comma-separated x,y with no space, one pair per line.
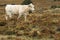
45,26
39,25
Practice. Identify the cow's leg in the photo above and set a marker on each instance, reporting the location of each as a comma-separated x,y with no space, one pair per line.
10,15
25,16
6,17
19,15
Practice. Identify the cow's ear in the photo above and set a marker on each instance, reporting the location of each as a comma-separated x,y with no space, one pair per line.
30,4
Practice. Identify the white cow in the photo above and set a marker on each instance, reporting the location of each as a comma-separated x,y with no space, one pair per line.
18,9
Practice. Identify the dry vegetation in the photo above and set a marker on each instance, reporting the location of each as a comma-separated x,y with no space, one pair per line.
39,26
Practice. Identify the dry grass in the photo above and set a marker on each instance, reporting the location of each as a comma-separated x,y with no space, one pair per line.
39,26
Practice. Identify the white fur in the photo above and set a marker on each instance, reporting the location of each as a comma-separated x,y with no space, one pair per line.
18,9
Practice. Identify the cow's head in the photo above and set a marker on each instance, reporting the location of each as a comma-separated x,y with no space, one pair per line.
31,7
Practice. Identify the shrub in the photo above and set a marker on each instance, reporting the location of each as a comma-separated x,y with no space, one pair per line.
56,0
26,2
58,6
53,6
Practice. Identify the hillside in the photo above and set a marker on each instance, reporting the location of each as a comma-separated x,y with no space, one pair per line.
43,24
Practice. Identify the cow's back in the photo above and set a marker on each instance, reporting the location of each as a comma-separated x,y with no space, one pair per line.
13,8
